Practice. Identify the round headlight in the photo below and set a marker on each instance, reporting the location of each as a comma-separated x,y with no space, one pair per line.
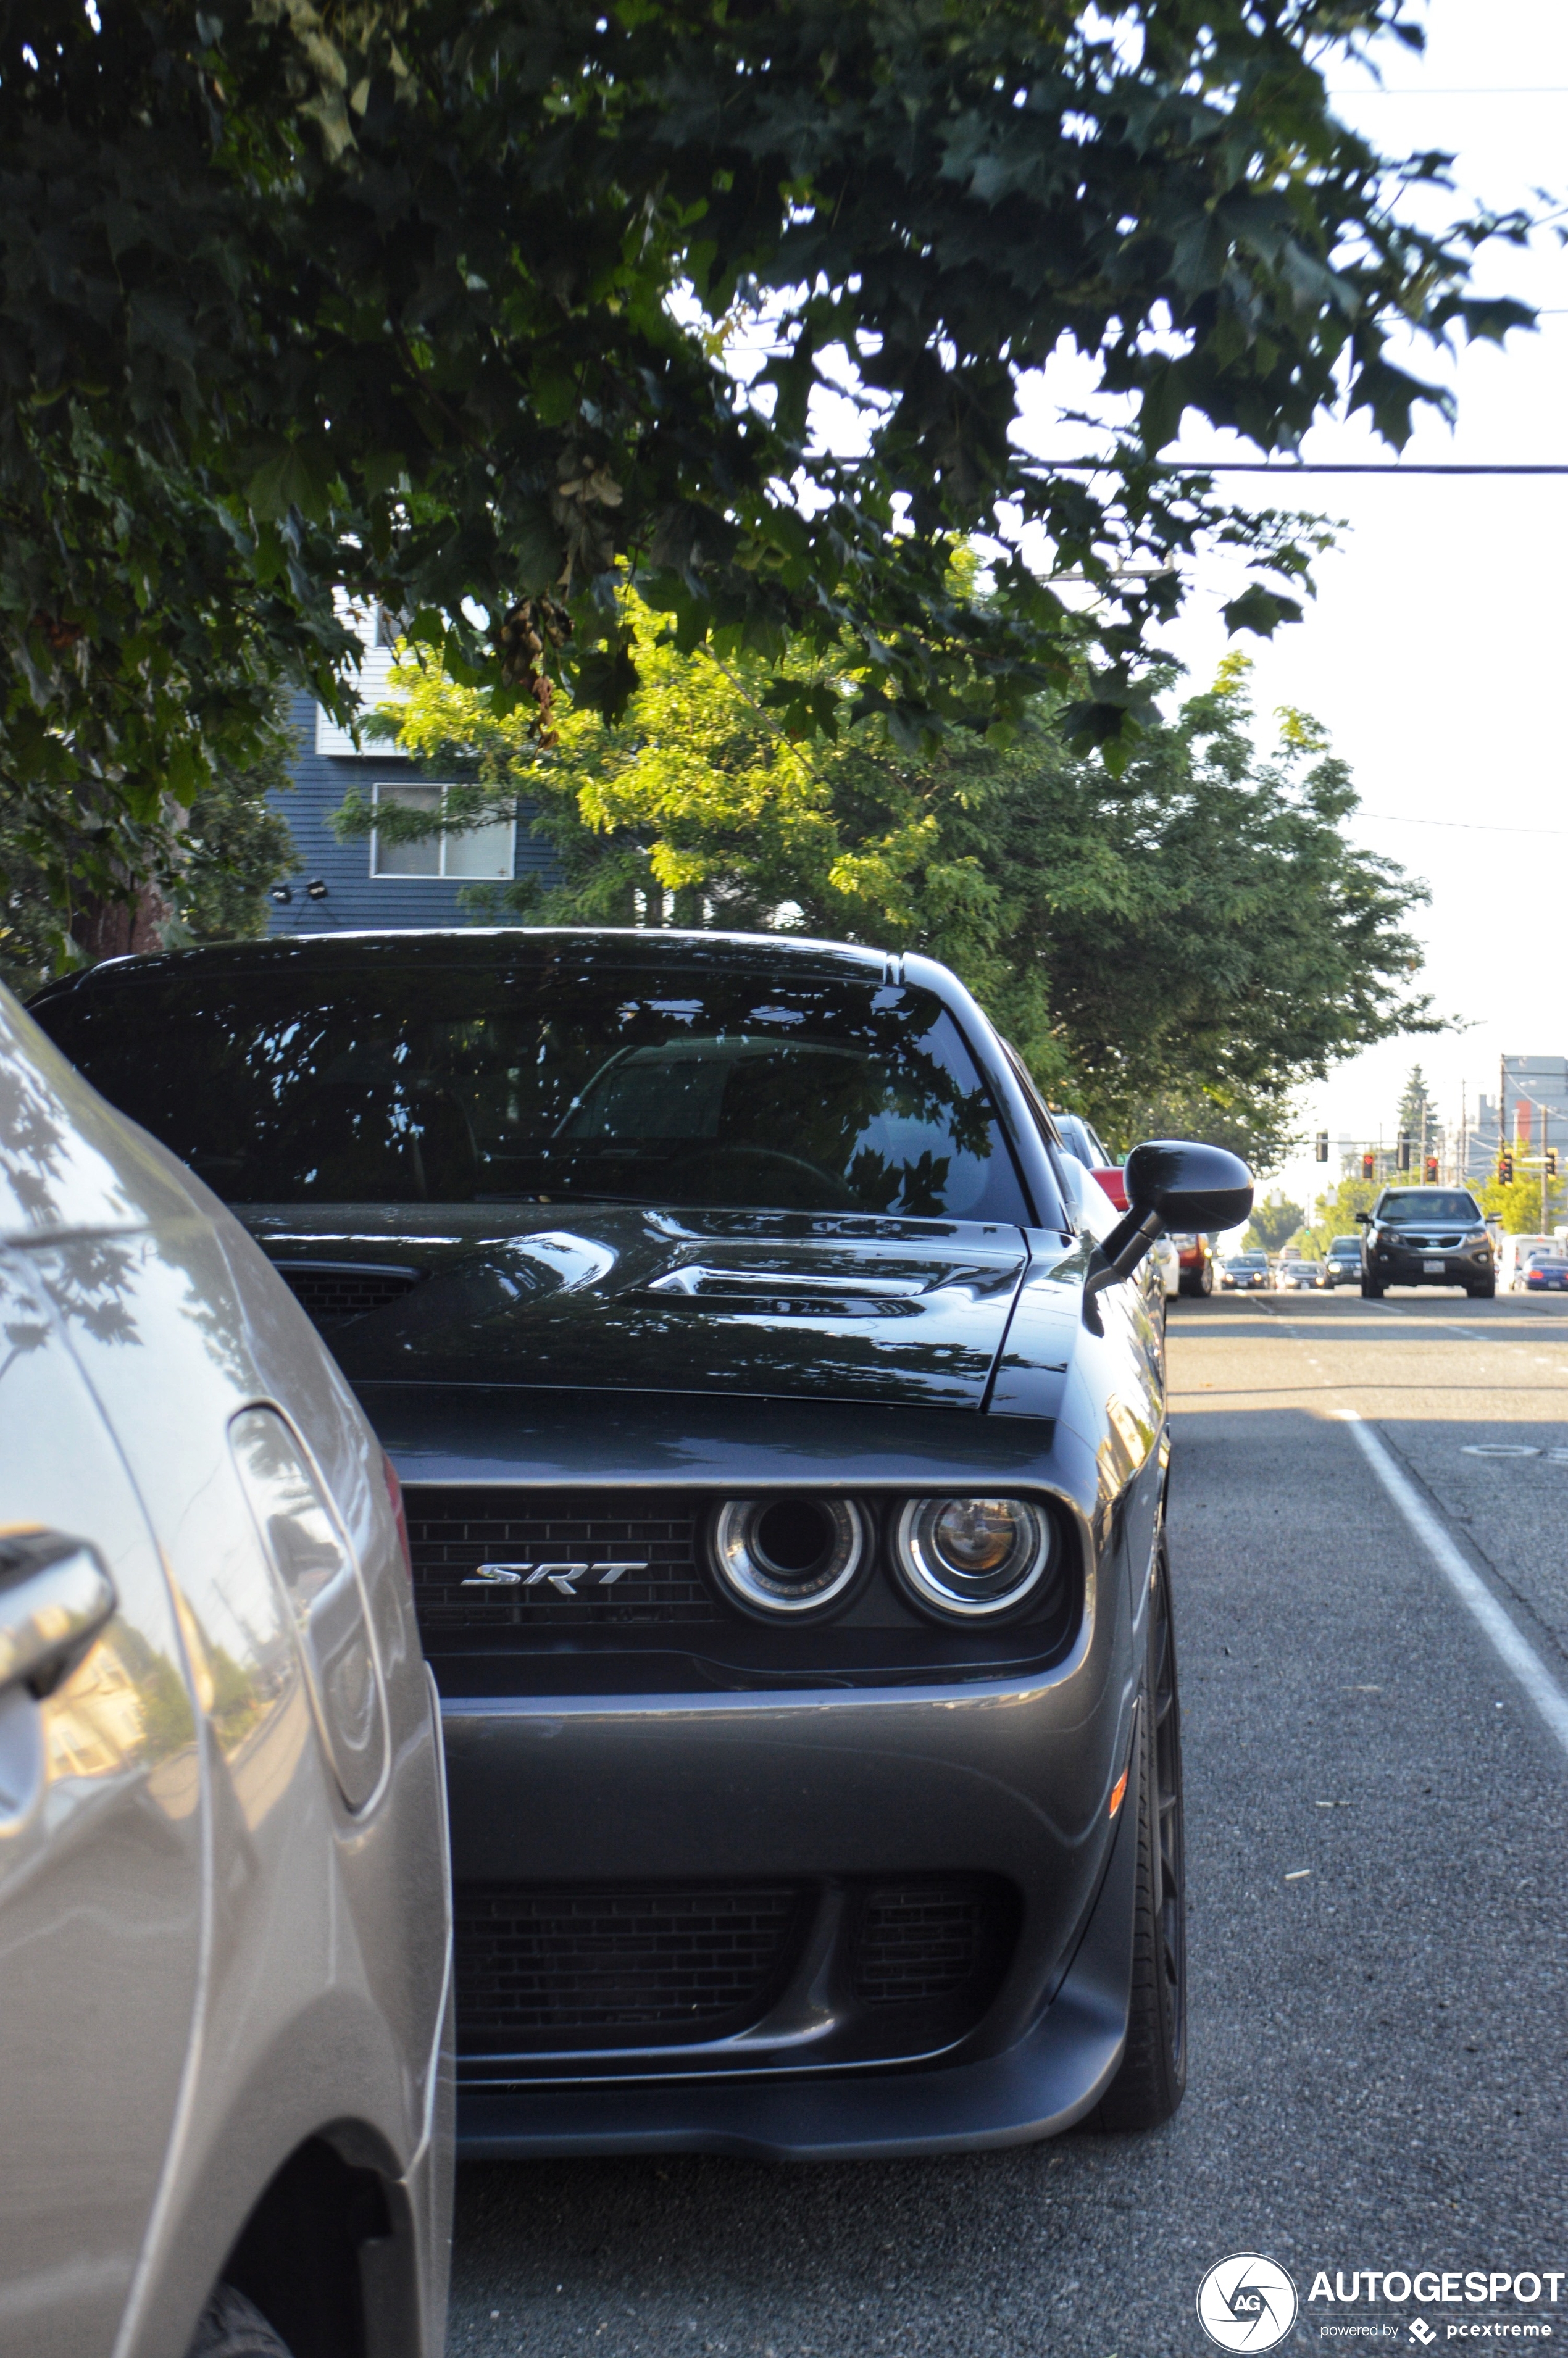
788,1555
968,1559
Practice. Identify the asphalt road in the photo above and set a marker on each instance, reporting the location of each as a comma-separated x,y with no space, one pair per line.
1379,1869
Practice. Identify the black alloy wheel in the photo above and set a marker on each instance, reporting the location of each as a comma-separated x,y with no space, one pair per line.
1152,2077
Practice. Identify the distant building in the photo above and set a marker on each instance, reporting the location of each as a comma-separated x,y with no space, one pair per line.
366,883
1534,1104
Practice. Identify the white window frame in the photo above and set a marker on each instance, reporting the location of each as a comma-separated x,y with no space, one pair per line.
438,874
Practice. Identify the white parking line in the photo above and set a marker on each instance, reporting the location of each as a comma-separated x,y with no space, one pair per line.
1514,1651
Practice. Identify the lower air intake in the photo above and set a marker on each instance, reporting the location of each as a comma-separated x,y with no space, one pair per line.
538,1969
924,1939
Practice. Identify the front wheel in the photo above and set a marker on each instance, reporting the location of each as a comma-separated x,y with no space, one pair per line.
1485,1292
1370,1292
1152,2077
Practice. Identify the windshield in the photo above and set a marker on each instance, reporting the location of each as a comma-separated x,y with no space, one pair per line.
1420,1206
776,1088
1346,1245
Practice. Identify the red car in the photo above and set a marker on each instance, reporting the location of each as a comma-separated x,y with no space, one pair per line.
1197,1263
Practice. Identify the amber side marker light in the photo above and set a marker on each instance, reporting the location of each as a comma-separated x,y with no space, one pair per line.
1119,1793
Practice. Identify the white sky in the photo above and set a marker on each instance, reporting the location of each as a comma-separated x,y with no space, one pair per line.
1435,652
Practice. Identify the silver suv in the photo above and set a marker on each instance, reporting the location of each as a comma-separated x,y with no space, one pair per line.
225,2039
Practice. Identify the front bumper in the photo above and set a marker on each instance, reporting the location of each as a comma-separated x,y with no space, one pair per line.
1038,2086
1401,1265
1005,1783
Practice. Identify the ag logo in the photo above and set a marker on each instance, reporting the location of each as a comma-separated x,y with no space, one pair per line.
1246,2303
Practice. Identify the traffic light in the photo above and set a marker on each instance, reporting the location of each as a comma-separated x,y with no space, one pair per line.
1552,1162
1431,1170
1404,1150
1323,1146
1505,1170
1368,1164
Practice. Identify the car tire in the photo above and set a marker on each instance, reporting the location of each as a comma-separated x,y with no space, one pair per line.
233,2327
1152,2077
1482,1292
1370,1292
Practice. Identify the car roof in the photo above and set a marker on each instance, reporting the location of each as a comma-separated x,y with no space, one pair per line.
480,945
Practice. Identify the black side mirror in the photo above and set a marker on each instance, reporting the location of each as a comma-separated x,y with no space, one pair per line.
1172,1183
1190,1186
1362,1219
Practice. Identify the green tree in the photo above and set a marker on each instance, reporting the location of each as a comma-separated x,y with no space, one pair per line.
1334,1214
234,846
445,306
1417,1115
1179,946
1274,1223
1518,1205
206,872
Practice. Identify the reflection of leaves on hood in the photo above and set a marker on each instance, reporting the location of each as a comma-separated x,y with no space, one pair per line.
42,1148
93,1285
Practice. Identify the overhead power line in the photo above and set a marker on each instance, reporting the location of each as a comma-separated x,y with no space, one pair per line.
1322,466
1463,90
1465,826
1372,466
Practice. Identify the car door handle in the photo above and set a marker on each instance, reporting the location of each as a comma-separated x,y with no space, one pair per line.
55,1596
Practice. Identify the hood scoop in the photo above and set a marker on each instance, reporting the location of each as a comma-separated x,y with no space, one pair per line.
331,1292
790,1294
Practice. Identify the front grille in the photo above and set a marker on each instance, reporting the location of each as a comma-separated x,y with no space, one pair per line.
535,1968
453,1532
924,1939
328,1297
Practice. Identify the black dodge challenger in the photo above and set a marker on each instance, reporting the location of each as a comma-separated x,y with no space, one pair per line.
781,1420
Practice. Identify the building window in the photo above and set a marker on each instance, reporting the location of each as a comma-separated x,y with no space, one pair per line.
477,853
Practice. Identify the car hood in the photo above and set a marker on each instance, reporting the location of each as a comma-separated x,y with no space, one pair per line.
627,1298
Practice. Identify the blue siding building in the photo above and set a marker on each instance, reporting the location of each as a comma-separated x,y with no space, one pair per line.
366,883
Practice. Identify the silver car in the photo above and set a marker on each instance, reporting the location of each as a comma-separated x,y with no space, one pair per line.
225,2037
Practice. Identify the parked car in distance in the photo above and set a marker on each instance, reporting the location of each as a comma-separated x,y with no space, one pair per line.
1547,1272
783,1428
226,2030
1300,1276
1513,1255
1426,1236
1342,1265
1080,1138
1195,1263
1246,1273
